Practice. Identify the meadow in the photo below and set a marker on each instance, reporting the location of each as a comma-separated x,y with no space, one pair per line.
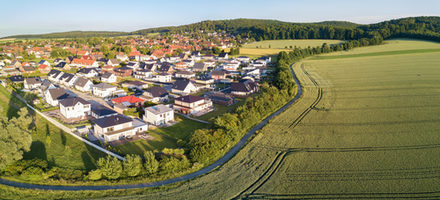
365,127
273,47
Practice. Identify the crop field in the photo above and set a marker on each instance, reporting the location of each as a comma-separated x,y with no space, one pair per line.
365,127
273,47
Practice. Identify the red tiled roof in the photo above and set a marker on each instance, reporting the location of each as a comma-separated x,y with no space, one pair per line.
130,99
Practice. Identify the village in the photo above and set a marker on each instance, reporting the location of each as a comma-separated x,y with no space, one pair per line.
116,97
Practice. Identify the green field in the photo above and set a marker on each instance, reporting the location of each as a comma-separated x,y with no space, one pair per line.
281,44
367,128
273,47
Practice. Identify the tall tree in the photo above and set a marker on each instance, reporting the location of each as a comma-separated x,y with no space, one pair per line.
151,164
110,167
133,165
15,137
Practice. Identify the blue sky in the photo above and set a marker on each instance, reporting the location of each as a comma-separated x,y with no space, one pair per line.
45,16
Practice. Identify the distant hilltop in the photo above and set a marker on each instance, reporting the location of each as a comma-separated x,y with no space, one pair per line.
430,25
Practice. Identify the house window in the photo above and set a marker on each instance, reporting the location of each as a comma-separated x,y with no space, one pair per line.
110,129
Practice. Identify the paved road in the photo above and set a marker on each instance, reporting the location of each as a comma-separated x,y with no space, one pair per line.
203,171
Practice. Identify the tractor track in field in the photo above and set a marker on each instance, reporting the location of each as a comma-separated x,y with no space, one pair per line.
281,155
313,105
186,177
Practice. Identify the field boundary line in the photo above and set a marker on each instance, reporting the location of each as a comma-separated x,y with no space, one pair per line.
231,153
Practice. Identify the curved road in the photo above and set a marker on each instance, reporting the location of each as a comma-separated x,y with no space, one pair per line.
203,171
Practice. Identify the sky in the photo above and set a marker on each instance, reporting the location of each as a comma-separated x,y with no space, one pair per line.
46,16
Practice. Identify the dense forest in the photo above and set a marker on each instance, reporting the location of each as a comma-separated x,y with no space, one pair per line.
413,27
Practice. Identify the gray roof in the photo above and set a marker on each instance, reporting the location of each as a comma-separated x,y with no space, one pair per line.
112,121
73,101
157,91
34,80
87,70
101,110
104,86
158,109
185,72
67,77
58,93
181,84
189,98
199,65
244,86
106,75
81,81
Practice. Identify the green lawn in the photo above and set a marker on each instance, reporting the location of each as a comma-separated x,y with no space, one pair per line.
221,109
281,44
165,137
374,131
62,149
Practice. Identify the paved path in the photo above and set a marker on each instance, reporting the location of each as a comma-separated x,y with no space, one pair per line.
68,130
203,171
195,119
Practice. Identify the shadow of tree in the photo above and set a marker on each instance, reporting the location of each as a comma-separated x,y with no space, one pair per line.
38,150
63,138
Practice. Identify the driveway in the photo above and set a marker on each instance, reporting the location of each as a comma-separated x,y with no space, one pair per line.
201,172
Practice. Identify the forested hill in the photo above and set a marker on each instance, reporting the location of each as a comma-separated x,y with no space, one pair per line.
70,34
413,27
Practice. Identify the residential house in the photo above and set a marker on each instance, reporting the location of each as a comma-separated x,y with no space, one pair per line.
221,98
115,127
244,87
16,79
165,68
53,96
32,83
123,71
44,62
62,65
104,90
218,75
78,62
107,68
112,62
184,74
128,101
200,67
55,75
121,56
83,84
44,68
163,78
68,79
108,78
183,87
231,65
75,108
45,85
192,105
143,74
159,114
133,65
27,69
135,84
243,59
222,56
156,94
100,111
88,72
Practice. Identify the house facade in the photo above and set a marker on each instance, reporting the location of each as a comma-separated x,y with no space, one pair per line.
159,114
183,87
75,108
192,104
115,127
